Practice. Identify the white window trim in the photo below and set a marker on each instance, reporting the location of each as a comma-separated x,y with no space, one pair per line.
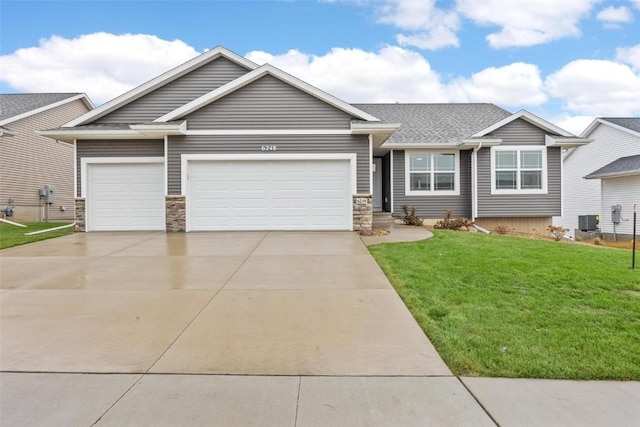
519,148
407,174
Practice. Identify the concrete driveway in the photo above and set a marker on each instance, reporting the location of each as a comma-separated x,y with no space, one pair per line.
267,303
243,329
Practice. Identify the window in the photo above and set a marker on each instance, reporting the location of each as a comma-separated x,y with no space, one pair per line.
518,170
432,173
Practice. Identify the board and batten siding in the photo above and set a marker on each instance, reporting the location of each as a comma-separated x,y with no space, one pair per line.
519,132
520,205
29,161
432,207
269,103
116,148
624,191
252,144
176,93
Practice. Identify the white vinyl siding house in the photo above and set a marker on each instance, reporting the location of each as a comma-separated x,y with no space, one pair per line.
611,140
623,191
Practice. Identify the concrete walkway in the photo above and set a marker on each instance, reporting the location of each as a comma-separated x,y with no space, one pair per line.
234,329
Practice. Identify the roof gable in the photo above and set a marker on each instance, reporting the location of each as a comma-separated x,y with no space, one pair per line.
268,103
19,106
629,125
528,117
160,81
254,75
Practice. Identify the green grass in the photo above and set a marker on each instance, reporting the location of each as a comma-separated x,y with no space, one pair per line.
11,235
503,306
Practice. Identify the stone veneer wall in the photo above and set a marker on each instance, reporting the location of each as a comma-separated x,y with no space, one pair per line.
362,213
176,219
80,214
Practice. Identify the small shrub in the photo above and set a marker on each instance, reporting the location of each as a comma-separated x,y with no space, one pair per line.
449,223
557,232
410,217
597,242
501,228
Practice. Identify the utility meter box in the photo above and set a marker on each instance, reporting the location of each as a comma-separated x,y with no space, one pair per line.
48,194
616,214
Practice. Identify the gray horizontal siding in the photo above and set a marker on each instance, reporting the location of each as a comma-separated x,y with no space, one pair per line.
29,161
519,132
249,144
516,205
117,148
177,93
268,103
432,206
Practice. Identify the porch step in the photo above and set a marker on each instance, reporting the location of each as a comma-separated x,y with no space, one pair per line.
382,220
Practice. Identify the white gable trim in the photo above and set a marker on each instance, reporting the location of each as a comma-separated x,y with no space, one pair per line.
161,80
254,75
529,117
80,96
602,121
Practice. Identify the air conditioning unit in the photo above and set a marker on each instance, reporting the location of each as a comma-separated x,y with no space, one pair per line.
588,222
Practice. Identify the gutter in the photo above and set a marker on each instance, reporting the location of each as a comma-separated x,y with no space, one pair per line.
474,182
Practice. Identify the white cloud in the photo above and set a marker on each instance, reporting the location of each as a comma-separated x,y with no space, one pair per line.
393,74
629,55
526,23
429,27
516,84
635,3
596,87
620,14
574,124
102,65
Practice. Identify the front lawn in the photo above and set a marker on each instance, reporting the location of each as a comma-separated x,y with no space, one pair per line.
503,306
11,235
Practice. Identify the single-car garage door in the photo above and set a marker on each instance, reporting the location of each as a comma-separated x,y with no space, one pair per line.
269,195
125,196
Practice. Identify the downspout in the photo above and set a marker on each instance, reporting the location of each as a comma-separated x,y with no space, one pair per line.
474,182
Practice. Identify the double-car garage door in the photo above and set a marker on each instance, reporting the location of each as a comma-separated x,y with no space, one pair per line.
269,195
299,194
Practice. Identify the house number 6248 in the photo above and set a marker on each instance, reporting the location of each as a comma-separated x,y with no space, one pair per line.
269,148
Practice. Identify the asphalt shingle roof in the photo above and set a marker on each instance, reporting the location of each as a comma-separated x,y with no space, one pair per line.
624,165
14,104
435,123
632,123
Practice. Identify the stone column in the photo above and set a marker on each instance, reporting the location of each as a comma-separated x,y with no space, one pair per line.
80,214
176,219
362,213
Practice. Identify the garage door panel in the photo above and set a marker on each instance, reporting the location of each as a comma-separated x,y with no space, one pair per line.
272,194
125,196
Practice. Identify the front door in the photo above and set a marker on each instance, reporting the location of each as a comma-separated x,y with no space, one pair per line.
377,184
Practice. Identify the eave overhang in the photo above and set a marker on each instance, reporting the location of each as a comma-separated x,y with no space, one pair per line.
470,143
161,129
139,131
565,142
613,174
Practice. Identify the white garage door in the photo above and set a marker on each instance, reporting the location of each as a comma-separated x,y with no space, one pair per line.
269,195
125,196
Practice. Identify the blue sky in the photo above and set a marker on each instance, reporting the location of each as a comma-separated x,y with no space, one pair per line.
566,60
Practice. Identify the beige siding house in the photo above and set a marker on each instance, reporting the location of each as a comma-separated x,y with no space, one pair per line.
29,162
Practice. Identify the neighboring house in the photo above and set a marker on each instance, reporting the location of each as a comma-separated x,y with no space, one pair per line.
220,143
29,162
613,138
620,189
